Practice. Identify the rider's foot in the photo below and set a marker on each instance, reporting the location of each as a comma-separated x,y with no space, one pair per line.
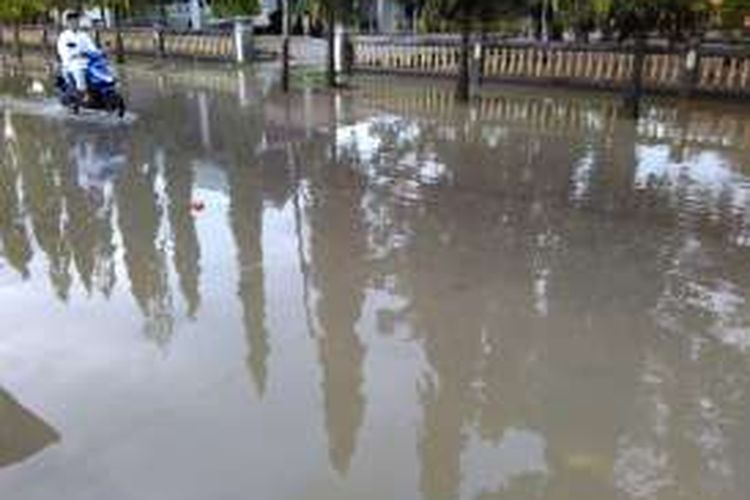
82,97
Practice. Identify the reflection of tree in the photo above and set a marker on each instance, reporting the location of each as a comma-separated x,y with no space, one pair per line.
246,217
447,317
139,215
337,246
69,221
22,433
45,201
13,235
89,225
180,177
553,292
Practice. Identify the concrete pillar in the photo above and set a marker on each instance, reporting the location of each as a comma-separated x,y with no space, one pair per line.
380,15
158,42
338,47
690,71
196,17
475,69
243,41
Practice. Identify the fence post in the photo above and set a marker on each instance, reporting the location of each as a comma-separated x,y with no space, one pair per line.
159,42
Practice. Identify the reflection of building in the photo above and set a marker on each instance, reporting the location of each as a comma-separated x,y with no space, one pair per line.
22,433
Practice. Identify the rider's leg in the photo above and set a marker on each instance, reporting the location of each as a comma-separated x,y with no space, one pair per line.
79,78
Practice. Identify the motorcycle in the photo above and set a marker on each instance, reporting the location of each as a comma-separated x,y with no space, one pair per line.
102,87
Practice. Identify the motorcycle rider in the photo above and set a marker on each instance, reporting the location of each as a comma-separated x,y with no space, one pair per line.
72,46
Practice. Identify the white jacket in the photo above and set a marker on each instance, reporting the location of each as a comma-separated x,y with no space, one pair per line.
71,47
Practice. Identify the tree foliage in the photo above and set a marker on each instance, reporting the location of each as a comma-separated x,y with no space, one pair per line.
17,11
452,12
234,8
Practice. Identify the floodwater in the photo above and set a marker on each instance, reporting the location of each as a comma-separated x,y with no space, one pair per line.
373,295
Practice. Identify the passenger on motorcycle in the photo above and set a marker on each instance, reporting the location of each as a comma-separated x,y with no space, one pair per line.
72,46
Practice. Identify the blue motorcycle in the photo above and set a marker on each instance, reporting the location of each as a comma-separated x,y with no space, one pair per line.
101,82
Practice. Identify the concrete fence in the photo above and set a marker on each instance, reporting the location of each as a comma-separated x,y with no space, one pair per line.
707,70
147,42
142,42
723,71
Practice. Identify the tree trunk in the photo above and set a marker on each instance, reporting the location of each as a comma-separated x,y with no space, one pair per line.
463,92
119,45
635,91
103,15
331,66
17,40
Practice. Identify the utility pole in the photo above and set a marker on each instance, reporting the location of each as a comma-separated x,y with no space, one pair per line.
285,25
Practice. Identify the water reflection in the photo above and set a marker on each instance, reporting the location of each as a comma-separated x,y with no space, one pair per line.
22,434
15,240
339,276
575,284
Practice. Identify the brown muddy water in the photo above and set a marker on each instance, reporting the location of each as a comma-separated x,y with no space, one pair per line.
372,295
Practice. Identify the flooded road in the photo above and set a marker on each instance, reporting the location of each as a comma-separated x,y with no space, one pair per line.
374,295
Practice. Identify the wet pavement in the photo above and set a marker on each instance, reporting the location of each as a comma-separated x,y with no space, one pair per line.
375,295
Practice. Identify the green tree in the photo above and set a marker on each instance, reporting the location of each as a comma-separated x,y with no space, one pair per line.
674,19
467,15
16,12
333,12
732,13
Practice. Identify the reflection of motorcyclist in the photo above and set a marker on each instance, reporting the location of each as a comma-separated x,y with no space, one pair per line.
98,161
72,46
